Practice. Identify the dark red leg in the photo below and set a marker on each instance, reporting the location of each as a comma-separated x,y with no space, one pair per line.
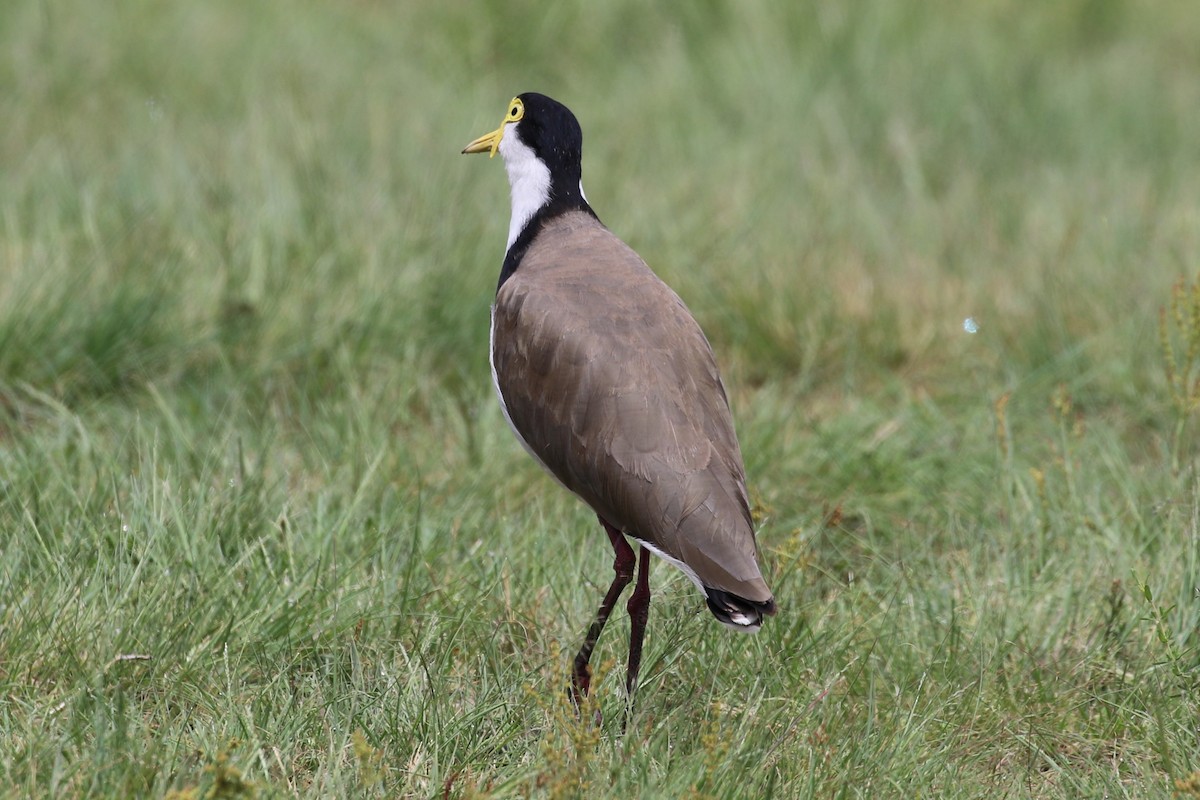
639,612
623,564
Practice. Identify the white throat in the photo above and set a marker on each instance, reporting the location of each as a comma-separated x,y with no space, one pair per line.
529,179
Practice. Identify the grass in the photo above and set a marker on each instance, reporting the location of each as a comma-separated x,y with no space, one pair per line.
265,532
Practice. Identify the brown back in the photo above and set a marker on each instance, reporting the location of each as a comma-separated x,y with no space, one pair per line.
609,380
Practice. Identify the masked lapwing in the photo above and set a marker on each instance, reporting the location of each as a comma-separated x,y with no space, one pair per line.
611,386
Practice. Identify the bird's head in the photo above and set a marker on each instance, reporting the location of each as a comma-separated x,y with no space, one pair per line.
537,123
542,146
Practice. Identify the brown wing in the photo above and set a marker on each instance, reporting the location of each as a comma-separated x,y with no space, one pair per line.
610,382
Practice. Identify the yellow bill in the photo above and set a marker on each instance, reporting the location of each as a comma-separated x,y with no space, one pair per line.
490,142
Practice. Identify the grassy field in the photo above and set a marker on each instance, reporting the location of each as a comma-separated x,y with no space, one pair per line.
264,532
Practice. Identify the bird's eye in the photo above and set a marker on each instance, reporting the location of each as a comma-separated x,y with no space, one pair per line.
516,110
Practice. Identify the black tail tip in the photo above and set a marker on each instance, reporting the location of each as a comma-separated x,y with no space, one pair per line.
738,612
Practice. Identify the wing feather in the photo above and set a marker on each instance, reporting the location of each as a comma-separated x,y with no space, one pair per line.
609,380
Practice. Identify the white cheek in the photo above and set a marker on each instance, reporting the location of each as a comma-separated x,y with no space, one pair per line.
529,179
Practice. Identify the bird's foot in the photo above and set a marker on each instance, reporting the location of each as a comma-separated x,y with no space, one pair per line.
581,684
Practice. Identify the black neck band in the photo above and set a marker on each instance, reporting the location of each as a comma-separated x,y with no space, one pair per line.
556,207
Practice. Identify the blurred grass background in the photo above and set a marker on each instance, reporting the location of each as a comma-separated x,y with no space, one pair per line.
265,533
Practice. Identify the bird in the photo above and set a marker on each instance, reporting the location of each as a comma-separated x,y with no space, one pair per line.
610,385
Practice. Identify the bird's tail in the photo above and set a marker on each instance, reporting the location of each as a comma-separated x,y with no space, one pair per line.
738,612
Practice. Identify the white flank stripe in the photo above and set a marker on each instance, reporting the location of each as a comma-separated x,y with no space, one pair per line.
684,568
